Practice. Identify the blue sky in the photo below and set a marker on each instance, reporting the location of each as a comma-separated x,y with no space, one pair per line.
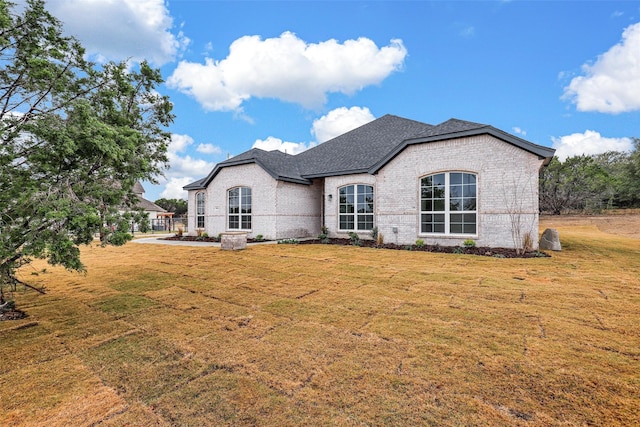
289,75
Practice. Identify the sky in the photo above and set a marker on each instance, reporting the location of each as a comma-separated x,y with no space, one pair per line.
289,75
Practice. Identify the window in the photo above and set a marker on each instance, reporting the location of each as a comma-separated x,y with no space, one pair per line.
356,207
240,208
448,203
200,210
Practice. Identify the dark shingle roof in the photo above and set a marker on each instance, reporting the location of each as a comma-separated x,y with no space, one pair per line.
148,205
363,150
356,151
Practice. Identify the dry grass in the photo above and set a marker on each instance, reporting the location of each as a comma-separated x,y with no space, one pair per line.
325,335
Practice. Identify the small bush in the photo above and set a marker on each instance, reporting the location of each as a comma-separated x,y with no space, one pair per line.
420,243
204,235
408,248
355,239
324,239
288,242
458,250
259,238
380,239
469,243
527,243
374,233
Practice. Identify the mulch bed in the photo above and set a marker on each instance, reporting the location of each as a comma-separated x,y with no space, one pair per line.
481,251
12,315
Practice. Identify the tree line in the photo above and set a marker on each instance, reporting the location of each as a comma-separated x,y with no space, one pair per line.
591,183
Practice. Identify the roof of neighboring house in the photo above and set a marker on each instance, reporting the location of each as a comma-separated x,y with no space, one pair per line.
365,149
138,188
148,205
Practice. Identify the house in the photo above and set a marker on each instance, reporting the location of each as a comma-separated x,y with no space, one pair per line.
442,184
155,212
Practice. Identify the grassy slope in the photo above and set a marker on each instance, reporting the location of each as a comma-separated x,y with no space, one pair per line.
317,335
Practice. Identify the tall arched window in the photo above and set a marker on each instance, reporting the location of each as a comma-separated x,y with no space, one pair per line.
356,207
200,210
239,217
448,203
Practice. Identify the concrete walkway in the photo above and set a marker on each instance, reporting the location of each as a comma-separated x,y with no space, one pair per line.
158,240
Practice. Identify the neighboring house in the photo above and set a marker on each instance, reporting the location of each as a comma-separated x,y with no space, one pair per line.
148,206
443,184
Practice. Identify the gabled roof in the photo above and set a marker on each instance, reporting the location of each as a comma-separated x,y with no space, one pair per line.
358,150
279,165
138,188
148,205
454,128
365,149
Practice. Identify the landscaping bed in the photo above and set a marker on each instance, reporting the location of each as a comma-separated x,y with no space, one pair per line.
476,250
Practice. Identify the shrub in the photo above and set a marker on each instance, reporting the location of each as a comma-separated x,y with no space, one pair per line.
323,238
259,238
374,233
380,239
355,239
420,243
204,235
527,243
288,242
458,250
469,243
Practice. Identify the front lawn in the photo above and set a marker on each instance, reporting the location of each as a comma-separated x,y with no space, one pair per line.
330,335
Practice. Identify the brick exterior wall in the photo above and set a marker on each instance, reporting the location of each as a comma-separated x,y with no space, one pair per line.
507,193
507,188
279,209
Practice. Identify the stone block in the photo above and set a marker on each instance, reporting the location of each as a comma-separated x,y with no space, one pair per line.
233,241
550,240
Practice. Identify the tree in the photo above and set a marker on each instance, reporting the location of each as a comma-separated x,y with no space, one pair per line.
177,206
74,138
630,177
578,183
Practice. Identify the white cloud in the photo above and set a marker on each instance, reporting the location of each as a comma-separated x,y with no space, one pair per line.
339,121
612,83
183,169
272,143
208,149
590,142
122,29
173,188
286,68
519,131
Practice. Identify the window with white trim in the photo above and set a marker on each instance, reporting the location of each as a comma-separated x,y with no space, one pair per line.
239,217
356,207
200,210
448,203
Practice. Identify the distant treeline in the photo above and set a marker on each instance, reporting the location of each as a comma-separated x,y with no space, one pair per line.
591,183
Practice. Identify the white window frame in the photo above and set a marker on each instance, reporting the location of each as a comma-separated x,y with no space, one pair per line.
200,209
448,200
358,190
244,215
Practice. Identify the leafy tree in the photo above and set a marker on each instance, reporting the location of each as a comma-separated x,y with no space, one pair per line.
630,177
578,183
74,139
177,206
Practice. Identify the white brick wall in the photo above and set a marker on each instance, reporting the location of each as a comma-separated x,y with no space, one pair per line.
507,188
506,175
279,209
